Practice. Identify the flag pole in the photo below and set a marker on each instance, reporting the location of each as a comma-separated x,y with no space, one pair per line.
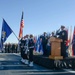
15,35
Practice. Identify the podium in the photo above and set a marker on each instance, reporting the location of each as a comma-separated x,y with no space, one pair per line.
55,48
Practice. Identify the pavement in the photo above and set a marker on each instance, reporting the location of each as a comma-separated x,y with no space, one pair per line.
10,64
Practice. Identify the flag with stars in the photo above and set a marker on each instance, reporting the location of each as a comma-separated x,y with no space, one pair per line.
6,31
21,26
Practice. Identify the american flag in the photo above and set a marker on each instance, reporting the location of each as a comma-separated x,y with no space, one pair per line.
21,26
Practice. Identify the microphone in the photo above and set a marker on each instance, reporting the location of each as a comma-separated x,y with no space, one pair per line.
58,31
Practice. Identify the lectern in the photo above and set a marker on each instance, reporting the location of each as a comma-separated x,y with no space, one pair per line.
55,48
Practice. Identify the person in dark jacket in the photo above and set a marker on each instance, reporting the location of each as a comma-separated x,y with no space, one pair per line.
16,48
44,43
22,48
63,35
6,48
26,49
31,48
9,47
53,34
13,48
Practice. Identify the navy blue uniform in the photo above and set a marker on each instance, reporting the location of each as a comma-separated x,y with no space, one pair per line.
25,48
22,47
44,44
31,48
6,48
63,35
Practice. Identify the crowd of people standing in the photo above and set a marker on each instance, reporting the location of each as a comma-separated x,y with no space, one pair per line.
26,45
29,43
10,48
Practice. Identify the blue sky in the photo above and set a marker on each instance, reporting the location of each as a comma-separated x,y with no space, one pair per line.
39,15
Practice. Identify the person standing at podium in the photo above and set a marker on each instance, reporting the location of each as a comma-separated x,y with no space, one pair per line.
53,34
63,35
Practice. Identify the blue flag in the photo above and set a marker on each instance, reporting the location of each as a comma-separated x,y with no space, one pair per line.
39,45
6,31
